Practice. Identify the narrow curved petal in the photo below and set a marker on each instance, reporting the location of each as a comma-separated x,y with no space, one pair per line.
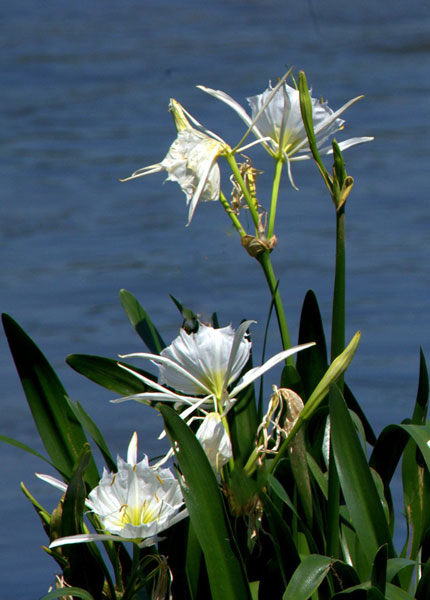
350,142
229,101
239,354
194,383
256,372
87,537
59,485
144,171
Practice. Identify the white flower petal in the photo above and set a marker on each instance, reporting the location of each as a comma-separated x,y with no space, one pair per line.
239,354
215,441
256,372
132,450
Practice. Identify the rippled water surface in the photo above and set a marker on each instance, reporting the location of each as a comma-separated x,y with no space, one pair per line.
85,88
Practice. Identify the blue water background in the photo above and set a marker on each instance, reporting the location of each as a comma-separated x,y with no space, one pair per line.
84,95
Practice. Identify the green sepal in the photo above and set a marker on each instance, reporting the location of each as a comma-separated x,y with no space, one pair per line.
140,320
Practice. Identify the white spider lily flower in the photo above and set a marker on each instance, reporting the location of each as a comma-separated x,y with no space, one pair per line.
190,161
206,364
276,120
215,441
134,504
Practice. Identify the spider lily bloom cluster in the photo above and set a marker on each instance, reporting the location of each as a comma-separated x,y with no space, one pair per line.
191,161
134,504
276,120
204,365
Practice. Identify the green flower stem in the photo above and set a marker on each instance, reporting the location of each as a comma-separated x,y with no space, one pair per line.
130,591
266,264
237,224
220,408
275,192
246,194
338,311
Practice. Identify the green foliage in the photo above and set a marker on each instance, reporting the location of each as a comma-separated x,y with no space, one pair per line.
205,506
296,510
60,431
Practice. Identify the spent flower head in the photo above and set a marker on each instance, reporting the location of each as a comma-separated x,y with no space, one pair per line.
191,160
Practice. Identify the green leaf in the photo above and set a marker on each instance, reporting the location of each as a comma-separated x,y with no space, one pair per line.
21,446
357,484
307,577
374,594
84,560
393,592
356,408
423,588
205,506
279,532
279,490
108,373
243,424
421,404
395,565
140,320
193,563
68,592
94,432
379,569
387,452
60,431
42,513
313,364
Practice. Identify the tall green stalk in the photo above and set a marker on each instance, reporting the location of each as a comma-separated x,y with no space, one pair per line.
266,264
274,200
338,309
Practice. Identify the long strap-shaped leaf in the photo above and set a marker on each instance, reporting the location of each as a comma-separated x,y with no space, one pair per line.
358,487
60,431
203,499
